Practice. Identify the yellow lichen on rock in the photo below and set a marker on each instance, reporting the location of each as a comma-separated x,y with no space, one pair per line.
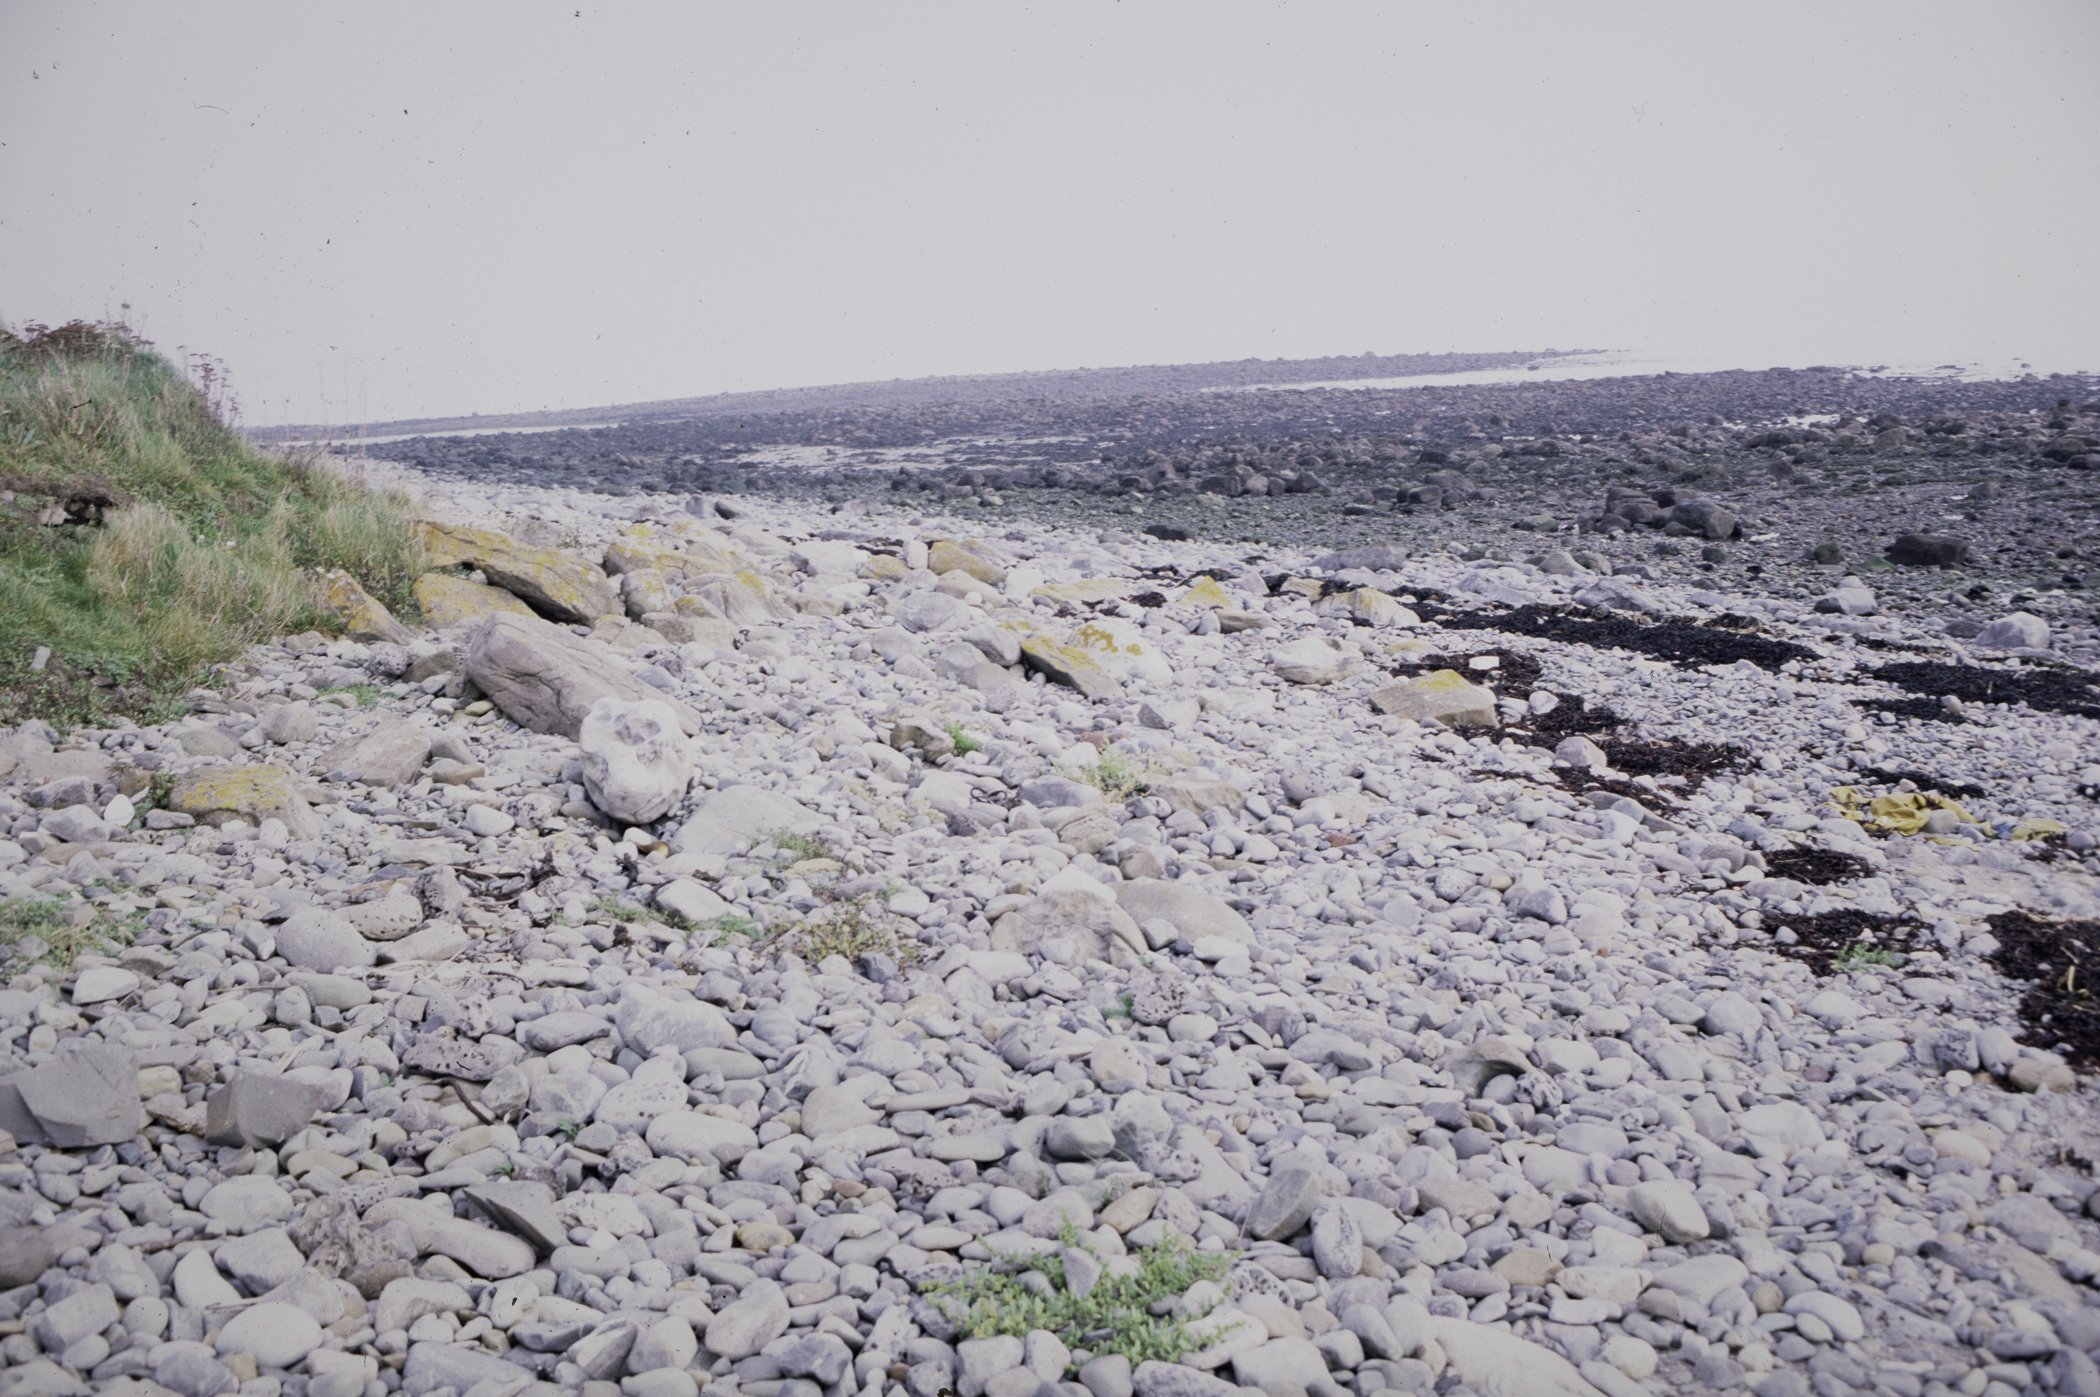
254,793
1369,605
883,567
447,600
1205,592
1088,589
552,582
623,634
1070,665
946,555
1445,695
363,615
450,544
697,553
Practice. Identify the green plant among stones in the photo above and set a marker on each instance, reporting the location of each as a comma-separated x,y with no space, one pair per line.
852,927
367,695
57,933
1116,776
964,742
794,848
1114,1317
1859,956
720,929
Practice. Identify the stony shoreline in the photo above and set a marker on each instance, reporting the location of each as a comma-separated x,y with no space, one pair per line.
871,898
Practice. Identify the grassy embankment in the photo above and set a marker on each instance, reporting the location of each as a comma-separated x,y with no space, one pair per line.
142,540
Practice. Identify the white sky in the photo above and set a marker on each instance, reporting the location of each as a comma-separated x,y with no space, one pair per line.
388,210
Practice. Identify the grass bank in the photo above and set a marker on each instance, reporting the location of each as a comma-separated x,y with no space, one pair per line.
143,540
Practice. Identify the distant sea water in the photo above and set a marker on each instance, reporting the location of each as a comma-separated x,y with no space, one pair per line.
1635,364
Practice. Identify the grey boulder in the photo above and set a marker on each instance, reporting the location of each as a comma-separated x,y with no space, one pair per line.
547,679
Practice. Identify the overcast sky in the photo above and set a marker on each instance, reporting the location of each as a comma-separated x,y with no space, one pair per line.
386,210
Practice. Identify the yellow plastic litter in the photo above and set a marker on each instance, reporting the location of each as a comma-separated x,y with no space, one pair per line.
2035,829
1902,813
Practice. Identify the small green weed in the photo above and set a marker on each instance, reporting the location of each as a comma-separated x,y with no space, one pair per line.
1114,1317
50,922
367,695
964,742
893,816
794,848
730,924
569,1129
852,928
1859,955
1114,775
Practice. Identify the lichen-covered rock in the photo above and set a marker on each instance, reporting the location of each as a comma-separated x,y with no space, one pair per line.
1445,695
251,793
448,600
363,616
555,583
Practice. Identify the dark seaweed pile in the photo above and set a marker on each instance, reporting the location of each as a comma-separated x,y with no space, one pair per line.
2059,1011
1514,675
2050,690
1823,939
1923,709
1816,867
1680,642
1926,781
1638,756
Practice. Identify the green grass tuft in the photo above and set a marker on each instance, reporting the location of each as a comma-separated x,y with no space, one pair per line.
367,695
852,927
51,923
1114,1317
143,540
1116,776
1858,955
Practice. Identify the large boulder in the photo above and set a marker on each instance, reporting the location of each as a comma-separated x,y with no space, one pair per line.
1445,695
392,754
636,763
251,793
1194,913
448,600
86,1096
548,679
363,616
1070,925
554,583
1928,551
740,815
1312,660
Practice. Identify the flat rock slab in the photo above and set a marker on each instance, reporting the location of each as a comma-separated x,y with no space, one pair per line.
547,679
88,1096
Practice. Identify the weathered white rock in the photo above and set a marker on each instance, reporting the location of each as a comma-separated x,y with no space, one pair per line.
636,760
